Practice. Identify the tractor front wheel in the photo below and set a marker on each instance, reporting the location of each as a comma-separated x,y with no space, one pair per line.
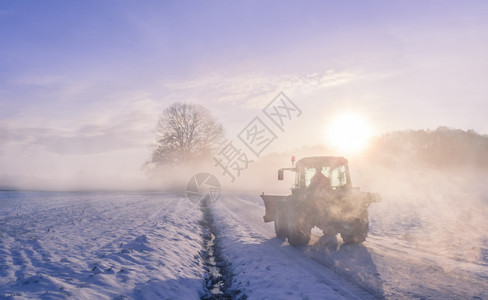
358,233
298,230
280,221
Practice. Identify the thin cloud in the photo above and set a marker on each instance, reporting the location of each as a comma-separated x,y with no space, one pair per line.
100,149
58,87
113,130
253,90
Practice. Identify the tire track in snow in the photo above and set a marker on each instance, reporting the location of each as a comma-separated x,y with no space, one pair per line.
218,275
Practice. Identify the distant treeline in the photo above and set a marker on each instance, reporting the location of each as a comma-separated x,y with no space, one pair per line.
443,147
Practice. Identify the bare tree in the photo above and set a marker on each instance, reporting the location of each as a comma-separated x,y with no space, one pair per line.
185,133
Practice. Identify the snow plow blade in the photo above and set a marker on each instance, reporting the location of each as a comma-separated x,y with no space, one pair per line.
271,204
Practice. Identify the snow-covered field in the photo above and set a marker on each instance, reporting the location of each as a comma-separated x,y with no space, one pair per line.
152,246
99,246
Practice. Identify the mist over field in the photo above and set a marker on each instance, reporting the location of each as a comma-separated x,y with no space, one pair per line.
112,113
432,184
436,184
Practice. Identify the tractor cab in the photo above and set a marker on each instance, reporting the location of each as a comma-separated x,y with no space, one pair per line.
333,169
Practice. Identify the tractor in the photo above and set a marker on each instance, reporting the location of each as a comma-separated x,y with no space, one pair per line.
321,196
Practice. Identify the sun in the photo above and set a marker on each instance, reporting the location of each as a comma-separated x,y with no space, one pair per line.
348,132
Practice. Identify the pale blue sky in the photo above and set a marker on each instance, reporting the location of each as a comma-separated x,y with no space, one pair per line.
82,82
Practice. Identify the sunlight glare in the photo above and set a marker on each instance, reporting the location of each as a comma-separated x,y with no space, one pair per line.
348,132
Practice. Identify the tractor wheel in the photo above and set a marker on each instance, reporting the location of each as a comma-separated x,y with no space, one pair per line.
358,233
280,221
298,230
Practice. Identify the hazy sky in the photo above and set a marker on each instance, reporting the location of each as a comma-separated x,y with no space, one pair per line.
82,82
